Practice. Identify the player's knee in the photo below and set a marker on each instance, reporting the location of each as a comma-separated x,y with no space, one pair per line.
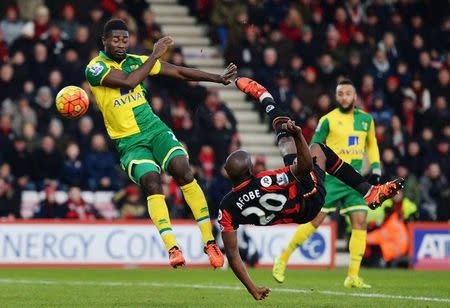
317,221
180,170
359,221
151,183
359,225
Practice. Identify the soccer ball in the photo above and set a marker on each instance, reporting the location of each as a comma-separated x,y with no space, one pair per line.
72,102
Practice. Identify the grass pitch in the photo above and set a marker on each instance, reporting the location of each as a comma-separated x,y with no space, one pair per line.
28,287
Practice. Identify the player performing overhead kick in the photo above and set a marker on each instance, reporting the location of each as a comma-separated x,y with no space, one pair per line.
293,194
349,132
145,144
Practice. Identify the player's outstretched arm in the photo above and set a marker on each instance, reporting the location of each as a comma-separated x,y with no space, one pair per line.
238,267
186,73
119,79
304,160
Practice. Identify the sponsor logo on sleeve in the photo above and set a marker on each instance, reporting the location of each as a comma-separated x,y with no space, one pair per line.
96,69
269,108
266,181
282,179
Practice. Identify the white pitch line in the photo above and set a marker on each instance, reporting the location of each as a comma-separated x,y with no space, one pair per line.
218,287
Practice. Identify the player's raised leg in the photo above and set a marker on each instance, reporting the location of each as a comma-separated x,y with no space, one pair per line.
326,158
179,168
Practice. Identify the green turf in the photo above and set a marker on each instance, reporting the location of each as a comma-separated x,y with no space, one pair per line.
155,288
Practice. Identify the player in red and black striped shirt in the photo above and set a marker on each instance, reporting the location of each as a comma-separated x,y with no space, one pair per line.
293,194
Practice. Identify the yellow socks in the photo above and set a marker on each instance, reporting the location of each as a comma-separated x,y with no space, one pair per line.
196,200
157,208
357,246
300,236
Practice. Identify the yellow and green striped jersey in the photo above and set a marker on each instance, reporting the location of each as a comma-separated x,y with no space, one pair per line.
350,135
118,106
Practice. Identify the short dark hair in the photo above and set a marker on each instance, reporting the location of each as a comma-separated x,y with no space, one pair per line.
346,81
114,24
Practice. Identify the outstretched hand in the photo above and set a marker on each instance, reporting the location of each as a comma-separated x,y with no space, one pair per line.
260,293
291,128
161,46
228,74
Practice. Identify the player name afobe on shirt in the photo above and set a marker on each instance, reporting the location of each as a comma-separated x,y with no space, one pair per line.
248,197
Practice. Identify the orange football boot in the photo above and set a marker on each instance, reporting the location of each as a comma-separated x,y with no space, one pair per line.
214,254
250,86
176,258
379,193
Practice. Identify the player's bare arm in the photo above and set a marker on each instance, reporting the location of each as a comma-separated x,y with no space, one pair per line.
304,160
119,79
238,267
186,73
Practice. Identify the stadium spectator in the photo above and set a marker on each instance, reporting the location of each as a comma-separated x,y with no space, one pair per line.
435,194
31,137
6,133
68,22
73,173
128,201
282,91
49,207
11,25
83,43
308,48
309,89
355,68
381,113
47,162
299,113
84,133
212,104
395,136
100,165
391,237
21,163
7,83
77,207
379,69
41,21
9,203
411,188
21,69
413,158
219,137
442,86
55,40
291,26
328,72
388,46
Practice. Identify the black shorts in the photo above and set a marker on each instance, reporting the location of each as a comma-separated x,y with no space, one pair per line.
312,192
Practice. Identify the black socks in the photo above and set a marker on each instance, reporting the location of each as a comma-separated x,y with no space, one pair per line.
344,172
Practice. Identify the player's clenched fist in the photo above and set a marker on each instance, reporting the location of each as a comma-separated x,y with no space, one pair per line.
291,128
161,46
260,293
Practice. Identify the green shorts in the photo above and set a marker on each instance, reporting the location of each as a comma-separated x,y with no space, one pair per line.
150,150
338,193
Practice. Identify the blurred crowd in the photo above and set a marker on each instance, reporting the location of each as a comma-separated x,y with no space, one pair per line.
397,55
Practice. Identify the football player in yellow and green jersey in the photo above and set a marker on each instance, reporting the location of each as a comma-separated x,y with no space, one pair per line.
145,144
350,133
